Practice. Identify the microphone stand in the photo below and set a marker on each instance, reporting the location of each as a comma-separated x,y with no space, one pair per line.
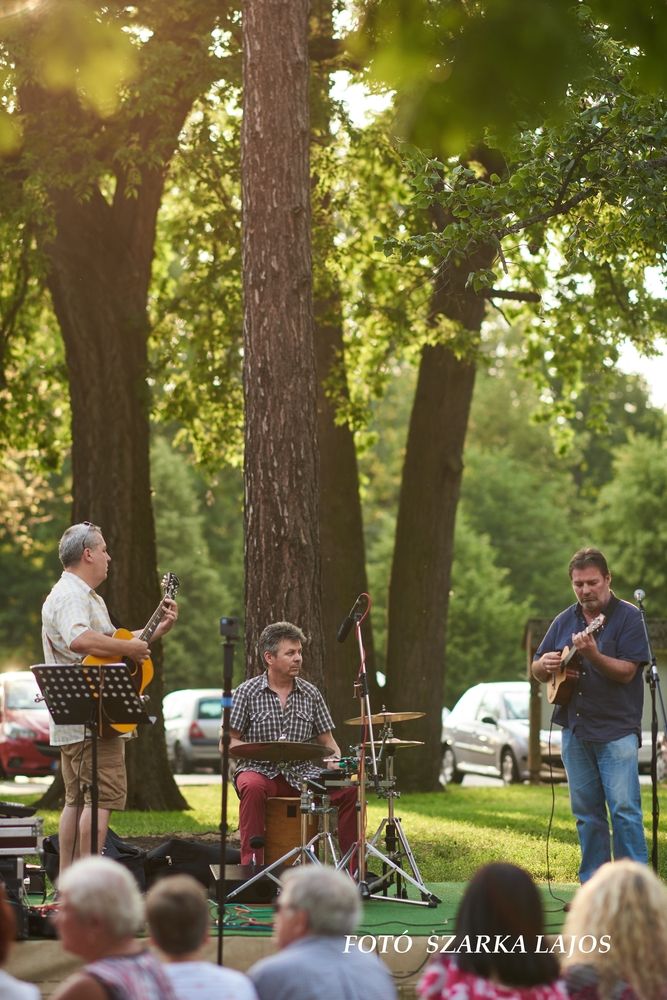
228,629
653,681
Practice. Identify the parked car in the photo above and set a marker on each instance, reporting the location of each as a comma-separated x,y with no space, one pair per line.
192,728
24,728
487,733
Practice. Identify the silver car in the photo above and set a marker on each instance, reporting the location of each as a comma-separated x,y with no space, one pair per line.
192,728
487,733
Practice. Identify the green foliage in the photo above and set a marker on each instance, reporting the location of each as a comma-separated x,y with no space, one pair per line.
460,69
569,211
192,651
486,618
631,522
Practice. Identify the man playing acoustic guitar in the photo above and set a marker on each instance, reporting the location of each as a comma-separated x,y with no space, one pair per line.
75,624
602,719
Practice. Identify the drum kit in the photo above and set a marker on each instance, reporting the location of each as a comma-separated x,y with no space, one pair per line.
361,769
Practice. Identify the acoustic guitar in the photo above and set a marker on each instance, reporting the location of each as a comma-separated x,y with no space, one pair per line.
563,681
142,673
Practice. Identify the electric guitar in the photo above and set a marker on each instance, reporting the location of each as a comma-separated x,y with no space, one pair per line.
563,681
142,673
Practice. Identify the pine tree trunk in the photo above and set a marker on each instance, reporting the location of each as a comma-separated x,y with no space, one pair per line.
341,524
282,549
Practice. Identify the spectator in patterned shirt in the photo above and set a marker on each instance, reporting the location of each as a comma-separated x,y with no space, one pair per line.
76,623
100,913
279,705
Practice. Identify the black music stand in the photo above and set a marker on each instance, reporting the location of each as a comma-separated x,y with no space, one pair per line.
90,695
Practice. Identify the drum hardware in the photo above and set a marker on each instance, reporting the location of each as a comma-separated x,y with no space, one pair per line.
397,846
286,751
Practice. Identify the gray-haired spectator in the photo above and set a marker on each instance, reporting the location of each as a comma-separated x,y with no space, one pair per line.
315,912
178,919
100,913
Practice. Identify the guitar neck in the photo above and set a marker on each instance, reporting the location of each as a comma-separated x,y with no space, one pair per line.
153,622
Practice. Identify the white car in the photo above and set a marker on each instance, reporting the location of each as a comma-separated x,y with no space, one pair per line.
192,728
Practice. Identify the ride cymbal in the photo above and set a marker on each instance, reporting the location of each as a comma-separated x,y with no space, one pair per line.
385,718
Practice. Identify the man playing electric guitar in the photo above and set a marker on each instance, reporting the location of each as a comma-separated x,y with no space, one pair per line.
602,719
75,624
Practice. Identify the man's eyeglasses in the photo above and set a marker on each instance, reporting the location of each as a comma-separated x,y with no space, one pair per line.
90,528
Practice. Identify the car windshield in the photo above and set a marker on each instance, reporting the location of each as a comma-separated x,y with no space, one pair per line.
516,704
22,694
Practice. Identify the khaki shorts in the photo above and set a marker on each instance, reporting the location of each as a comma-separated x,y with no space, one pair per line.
77,768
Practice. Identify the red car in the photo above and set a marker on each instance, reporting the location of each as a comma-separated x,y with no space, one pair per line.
24,728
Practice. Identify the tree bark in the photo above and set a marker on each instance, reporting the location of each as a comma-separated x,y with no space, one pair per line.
423,552
282,553
341,525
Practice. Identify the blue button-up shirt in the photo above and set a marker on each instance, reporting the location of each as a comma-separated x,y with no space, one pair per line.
602,709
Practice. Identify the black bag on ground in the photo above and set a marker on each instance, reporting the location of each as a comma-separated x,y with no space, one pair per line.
186,857
127,854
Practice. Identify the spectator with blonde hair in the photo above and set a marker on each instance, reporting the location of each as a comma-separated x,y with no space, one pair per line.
623,909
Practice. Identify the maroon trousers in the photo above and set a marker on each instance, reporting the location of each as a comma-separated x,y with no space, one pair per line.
254,789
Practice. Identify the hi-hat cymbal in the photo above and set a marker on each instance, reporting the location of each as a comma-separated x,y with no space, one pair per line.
386,718
281,750
394,744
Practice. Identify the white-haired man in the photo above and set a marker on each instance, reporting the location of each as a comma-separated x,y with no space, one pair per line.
76,623
315,912
100,913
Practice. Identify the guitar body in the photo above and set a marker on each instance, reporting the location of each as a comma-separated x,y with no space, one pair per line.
142,673
563,682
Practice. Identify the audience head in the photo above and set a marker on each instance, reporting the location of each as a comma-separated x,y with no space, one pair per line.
626,901
99,904
318,901
502,899
178,915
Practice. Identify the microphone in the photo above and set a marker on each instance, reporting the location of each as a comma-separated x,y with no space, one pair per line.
639,595
353,617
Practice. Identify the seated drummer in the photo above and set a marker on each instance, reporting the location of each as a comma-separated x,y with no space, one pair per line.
275,705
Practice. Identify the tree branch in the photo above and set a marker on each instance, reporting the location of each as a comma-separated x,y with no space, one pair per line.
505,293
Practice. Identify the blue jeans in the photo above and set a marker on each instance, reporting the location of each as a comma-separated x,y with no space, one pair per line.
604,775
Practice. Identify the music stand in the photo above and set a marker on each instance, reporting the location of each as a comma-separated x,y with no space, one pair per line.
90,696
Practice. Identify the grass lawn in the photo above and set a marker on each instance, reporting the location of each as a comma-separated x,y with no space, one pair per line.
450,832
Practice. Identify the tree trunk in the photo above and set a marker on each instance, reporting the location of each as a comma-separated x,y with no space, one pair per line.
98,280
423,552
282,553
341,525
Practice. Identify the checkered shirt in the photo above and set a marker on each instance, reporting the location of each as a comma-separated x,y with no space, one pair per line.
71,608
259,717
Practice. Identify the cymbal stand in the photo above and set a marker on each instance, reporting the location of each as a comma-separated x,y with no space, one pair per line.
305,850
396,842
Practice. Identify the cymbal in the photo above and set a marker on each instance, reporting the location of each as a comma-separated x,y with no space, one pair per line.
278,751
386,718
394,744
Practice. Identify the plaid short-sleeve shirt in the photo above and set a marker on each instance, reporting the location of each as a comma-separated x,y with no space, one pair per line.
71,608
259,717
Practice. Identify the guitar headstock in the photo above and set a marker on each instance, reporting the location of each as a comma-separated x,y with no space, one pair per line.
595,625
170,584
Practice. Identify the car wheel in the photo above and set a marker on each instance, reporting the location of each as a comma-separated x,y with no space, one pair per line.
449,774
181,762
509,771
